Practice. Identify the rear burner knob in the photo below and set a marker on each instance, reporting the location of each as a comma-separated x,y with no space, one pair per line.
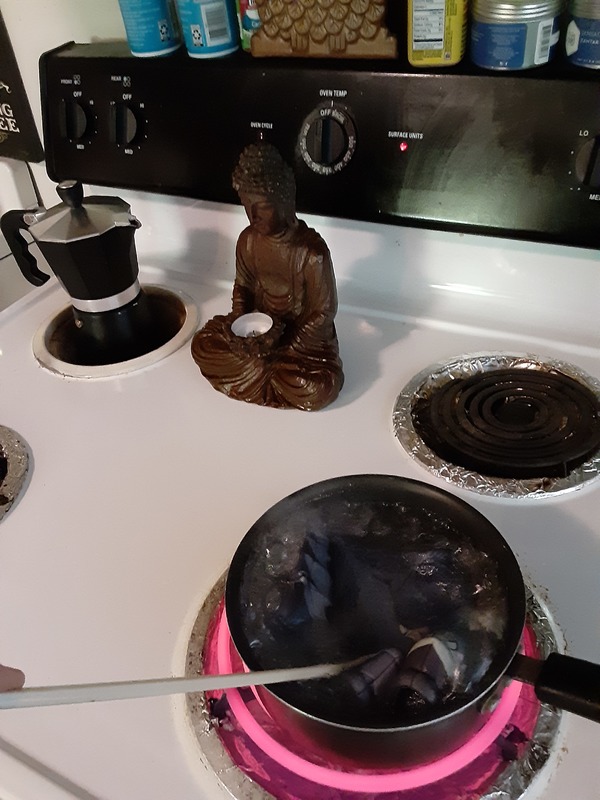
587,163
124,125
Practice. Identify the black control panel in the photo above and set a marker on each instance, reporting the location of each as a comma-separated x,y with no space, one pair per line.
511,154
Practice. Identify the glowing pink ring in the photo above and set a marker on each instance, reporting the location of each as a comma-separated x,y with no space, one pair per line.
361,782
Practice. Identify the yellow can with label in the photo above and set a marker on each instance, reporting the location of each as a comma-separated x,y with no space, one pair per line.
437,32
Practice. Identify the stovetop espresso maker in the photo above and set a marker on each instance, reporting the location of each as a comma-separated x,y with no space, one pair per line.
89,245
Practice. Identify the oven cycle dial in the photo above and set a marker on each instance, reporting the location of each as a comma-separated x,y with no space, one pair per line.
327,139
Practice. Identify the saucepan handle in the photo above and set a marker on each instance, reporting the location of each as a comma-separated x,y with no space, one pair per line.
11,225
562,681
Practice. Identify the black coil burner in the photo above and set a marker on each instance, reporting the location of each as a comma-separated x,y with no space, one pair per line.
511,423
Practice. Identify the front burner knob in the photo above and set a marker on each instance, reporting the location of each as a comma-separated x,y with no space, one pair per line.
73,120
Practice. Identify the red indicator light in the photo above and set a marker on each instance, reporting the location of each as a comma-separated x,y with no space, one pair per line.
403,146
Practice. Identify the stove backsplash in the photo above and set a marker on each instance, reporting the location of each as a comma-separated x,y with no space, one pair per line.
546,292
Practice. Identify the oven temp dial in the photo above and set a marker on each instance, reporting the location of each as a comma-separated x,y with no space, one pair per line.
587,163
327,139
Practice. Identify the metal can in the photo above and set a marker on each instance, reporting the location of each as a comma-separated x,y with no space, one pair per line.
514,34
151,26
582,38
209,27
437,32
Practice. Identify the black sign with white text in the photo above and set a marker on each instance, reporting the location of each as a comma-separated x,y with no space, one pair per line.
18,135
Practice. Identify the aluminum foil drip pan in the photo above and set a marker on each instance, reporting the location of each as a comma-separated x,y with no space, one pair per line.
14,468
438,378
253,776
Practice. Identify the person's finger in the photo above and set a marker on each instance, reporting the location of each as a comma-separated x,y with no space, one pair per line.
10,678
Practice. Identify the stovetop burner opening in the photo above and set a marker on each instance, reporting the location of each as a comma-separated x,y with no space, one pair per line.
174,315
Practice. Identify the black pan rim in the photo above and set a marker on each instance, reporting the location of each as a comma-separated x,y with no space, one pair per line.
412,489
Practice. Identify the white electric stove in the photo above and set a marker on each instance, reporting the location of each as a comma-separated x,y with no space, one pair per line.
142,484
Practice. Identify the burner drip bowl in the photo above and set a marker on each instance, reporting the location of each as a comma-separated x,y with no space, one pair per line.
275,765
507,425
14,468
514,423
174,318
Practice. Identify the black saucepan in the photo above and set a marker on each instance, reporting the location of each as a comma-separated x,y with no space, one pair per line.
414,581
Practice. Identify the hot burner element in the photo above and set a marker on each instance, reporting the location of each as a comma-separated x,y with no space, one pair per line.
513,423
172,320
503,424
234,729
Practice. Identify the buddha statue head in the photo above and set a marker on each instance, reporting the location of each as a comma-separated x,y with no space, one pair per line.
267,189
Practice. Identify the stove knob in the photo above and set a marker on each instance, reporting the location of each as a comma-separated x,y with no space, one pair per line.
327,139
124,125
73,120
587,163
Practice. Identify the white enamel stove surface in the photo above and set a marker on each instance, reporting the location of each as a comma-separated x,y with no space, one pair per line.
143,485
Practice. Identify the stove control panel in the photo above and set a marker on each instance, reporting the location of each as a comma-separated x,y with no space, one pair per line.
512,154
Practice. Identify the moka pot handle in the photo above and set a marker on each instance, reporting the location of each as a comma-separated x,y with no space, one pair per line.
11,224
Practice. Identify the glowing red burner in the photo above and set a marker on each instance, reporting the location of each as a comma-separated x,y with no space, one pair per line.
270,756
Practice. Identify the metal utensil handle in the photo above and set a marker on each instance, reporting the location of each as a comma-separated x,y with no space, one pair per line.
127,690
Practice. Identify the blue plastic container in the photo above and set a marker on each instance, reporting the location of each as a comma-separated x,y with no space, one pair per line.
210,27
151,27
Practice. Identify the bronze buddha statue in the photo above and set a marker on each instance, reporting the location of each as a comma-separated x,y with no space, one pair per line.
284,270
